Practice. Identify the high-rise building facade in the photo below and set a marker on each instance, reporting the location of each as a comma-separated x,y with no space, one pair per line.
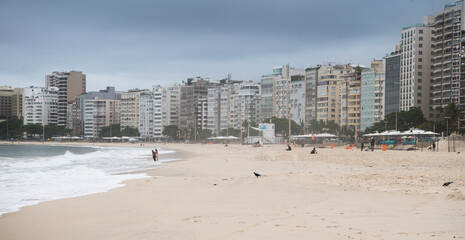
129,108
330,78
99,113
372,94
275,92
80,109
311,86
191,92
245,104
70,86
11,102
297,96
448,58
40,105
415,67
392,86
350,100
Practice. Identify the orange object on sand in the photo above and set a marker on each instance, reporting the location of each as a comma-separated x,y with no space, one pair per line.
348,147
332,146
384,147
295,146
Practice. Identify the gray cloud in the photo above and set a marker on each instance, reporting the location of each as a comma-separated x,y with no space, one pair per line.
136,43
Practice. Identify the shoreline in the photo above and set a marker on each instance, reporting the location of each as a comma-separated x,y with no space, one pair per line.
212,194
137,174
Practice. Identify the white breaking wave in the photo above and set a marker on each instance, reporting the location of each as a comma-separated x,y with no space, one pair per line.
30,180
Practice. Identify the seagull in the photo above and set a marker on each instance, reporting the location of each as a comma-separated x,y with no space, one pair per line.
256,174
446,184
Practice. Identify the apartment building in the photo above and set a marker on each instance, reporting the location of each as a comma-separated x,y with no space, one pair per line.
330,78
415,68
99,113
245,104
40,105
392,84
311,84
350,99
448,47
193,90
11,102
275,92
372,94
70,86
129,108
79,109
297,97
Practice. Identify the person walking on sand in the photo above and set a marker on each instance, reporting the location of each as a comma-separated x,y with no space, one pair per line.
363,145
372,144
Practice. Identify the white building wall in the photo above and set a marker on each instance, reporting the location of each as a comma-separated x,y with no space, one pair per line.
40,105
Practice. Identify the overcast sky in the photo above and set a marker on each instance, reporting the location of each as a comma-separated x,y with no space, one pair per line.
137,44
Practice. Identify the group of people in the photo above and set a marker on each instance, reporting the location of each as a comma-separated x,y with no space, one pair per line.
372,145
290,149
155,155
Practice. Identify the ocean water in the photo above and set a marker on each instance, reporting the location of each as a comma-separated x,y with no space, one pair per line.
30,174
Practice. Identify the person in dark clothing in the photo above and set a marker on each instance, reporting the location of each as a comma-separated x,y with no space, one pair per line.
363,146
372,144
289,148
313,151
434,146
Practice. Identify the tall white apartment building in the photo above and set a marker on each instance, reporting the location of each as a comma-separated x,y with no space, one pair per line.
415,67
40,105
146,110
158,108
172,104
219,107
245,104
298,99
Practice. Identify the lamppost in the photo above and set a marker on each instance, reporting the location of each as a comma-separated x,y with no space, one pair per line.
447,132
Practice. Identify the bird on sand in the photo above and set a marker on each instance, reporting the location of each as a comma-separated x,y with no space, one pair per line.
256,174
446,184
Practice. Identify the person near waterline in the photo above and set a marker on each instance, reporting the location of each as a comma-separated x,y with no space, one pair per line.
155,155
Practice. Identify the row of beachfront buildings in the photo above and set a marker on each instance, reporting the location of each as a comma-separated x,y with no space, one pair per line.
427,70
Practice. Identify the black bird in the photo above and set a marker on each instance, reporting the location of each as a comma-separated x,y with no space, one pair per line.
446,184
458,152
256,174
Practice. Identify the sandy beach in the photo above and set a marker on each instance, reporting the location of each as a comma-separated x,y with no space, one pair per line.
212,193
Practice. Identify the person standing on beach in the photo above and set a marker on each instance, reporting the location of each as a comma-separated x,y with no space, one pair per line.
155,155
363,145
372,144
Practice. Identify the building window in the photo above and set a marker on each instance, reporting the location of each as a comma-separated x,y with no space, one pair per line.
420,60
420,52
420,31
420,45
420,38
